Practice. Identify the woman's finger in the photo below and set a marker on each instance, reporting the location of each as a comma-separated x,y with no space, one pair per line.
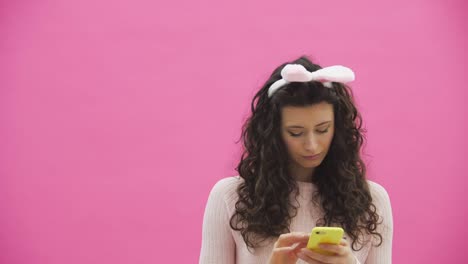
283,250
319,257
307,258
344,242
300,245
288,239
337,249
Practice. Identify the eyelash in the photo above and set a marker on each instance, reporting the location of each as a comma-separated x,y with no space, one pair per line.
319,131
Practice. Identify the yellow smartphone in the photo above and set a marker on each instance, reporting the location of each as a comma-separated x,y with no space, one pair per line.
326,235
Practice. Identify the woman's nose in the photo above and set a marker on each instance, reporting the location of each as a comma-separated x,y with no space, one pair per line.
311,144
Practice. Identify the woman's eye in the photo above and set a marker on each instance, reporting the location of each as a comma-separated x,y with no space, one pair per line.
295,135
319,131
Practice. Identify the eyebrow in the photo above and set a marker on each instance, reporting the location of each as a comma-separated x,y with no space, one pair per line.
315,125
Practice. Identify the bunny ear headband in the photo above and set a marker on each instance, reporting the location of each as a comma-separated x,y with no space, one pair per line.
298,73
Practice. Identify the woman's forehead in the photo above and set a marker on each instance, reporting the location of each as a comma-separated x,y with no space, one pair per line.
307,115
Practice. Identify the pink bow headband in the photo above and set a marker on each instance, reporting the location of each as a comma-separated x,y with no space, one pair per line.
298,73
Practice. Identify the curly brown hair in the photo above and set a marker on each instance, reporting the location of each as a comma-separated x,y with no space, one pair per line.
264,209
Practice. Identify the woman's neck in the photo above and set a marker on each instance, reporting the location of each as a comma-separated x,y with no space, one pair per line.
300,173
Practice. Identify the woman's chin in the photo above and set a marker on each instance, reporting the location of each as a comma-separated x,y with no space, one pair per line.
310,164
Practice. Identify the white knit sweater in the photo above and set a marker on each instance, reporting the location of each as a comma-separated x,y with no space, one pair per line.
222,245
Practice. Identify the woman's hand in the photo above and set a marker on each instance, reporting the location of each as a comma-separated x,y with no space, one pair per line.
343,254
287,246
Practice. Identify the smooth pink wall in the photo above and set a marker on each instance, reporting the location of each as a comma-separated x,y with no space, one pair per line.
117,117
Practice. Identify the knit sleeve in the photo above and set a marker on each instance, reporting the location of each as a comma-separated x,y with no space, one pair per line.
383,253
218,244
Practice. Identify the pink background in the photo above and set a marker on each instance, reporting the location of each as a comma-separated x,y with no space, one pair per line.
117,117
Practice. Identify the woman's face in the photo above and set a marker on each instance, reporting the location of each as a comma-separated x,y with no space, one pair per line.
307,131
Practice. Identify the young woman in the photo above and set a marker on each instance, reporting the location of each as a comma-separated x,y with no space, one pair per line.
301,168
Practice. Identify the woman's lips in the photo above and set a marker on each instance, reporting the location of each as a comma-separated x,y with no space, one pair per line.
312,157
